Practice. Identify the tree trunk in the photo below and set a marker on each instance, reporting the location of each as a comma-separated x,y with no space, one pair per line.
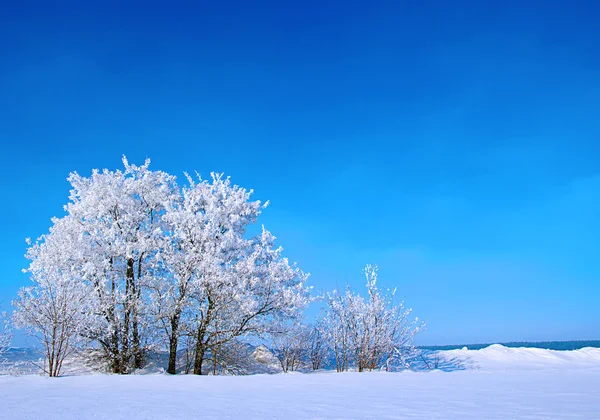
127,307
112,347
138,357
214,356
199,359
173,341
200,343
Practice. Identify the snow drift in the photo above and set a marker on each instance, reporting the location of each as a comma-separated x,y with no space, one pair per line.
498,357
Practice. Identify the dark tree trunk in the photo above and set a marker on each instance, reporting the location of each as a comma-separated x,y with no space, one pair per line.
113,349
173,341
201,342
199,359
214,357
125,346
138,357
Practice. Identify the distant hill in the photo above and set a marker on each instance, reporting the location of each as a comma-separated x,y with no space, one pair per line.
548,345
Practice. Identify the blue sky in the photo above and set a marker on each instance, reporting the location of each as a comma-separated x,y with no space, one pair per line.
455,144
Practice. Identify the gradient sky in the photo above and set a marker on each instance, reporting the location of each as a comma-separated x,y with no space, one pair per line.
455,144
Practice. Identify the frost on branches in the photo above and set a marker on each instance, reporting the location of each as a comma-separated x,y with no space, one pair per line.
220,285
139,262
292,344
120,232
5,333
57,308
368,333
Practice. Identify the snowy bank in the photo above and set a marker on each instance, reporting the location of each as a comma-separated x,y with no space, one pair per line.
498,357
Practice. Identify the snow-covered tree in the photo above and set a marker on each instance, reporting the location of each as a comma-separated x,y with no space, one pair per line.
215,283
57,308
368,332
318,349
5,333
206,228
250,286
291,342
231,358
154,258
336,327
120,218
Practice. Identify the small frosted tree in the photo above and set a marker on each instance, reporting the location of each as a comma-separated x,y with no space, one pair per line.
317,345
5,333
336,327
291,342
56,309
371,332
231,358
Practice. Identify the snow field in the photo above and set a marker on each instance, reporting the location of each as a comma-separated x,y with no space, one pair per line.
506,384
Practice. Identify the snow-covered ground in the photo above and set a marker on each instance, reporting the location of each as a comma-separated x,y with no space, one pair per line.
500,383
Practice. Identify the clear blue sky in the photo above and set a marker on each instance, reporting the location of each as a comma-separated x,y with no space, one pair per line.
455,144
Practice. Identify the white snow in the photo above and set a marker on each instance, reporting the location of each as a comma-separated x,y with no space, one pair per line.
501,384
498,357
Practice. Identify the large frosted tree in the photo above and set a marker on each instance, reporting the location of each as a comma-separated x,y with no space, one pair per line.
155,260
218,284
120,217
251,287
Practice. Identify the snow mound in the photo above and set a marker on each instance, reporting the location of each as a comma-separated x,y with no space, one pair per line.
500,357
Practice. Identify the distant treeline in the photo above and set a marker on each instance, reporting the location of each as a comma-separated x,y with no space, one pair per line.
549,345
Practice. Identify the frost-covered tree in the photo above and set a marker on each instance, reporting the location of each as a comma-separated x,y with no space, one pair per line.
336,327
216,284
206,236
120,217
157,260
5,333
317,345
291,342
368,332
231,358
250,286
57,308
